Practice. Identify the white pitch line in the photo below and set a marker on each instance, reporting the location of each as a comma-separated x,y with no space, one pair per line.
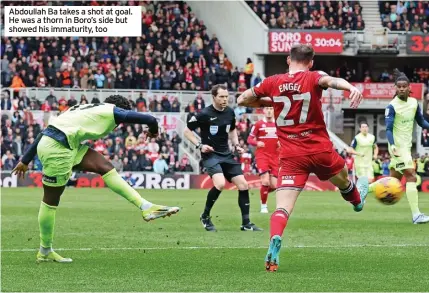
217,247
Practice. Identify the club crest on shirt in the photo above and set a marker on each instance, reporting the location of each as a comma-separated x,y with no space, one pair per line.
214,129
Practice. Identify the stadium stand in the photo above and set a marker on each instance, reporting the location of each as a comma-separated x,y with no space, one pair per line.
331,15
174,52
409,16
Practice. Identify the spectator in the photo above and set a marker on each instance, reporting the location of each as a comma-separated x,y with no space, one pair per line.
146,163
126,165
175,106
51,99
135,163
257,79
160,166
117,164
199,103
153,147
99,79
9,162
165,104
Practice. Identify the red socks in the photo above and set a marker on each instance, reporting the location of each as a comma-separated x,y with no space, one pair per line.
278,222
264,193
351,194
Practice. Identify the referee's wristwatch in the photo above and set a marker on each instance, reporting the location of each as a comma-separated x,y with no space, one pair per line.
199,145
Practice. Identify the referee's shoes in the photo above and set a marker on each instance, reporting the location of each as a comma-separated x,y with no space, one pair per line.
250,227
207,223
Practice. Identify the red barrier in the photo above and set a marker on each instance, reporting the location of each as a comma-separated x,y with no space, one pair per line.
157,181
151,181
380,90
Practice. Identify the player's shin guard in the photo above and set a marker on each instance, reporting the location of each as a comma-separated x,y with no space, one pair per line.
264,190
115,182
244,203
351,194
46,225
278,222
212,196
413,197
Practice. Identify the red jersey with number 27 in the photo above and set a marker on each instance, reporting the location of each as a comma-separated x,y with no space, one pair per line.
298,112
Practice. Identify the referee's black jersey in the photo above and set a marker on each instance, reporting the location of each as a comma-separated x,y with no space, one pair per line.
215,126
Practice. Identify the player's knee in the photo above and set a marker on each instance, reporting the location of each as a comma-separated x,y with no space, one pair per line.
265,181
243,186
105,167
410,176
219,185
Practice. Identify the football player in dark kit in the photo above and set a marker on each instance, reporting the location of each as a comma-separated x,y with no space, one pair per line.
217,125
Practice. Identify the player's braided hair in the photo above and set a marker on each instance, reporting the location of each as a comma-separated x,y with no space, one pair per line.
400,76
119,101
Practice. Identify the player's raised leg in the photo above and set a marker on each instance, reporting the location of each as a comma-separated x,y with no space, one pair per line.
244,203
355,194
331,166
212,196
96,163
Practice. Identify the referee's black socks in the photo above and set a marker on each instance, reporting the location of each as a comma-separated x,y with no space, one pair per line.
212,196
244,203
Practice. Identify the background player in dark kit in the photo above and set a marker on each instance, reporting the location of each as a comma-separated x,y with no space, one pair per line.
217,125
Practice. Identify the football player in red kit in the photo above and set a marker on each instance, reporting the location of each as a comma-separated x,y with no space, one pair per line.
305,146
264,137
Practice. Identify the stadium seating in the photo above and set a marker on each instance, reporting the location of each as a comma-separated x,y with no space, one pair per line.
331,15
409,16
174,52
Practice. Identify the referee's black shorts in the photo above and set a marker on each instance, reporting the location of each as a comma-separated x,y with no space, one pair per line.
225,164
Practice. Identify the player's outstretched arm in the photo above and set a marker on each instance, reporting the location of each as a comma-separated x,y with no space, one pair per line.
29,155
352,149
421,121
126,116
249,99
342,84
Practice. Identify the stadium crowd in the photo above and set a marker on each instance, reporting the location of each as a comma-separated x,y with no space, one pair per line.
331,15
409,16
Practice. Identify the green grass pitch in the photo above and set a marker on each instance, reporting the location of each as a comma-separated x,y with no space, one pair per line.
327,246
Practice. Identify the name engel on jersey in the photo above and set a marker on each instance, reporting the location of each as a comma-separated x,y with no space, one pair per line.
290,87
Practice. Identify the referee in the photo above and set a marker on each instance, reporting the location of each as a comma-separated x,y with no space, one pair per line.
217,125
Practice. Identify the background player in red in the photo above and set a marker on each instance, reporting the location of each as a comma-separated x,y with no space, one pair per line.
263,135
305,146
